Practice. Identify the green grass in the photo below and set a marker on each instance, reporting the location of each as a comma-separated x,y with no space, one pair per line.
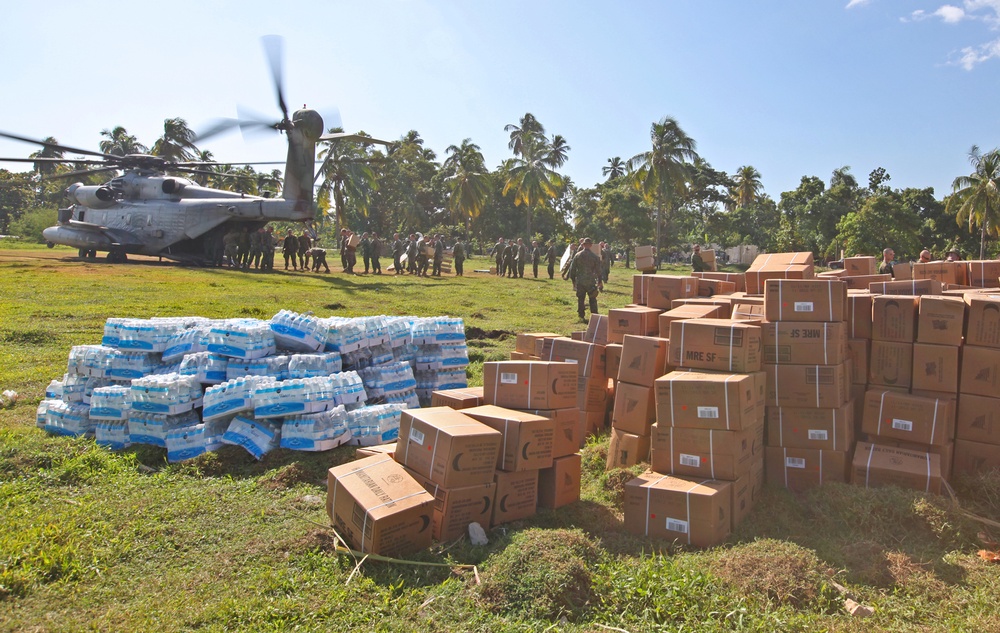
94,540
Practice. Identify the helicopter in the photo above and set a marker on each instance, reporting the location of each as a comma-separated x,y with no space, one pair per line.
148,210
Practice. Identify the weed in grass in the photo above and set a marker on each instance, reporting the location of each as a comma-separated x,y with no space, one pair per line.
31,337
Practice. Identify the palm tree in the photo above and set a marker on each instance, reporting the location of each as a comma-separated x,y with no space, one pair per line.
120,143
529,128
976,197
177,142
469,181
530,174
45,168
843,176
614,169
346,175
661,173
748,189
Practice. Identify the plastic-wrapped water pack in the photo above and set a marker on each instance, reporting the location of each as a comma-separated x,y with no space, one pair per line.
377,424
241,338
111,402
230,397
299,332
152,428
206,367
68,418
314,365
168,394
258,437
316,431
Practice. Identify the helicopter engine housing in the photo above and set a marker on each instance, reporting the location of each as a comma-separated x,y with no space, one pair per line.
92,196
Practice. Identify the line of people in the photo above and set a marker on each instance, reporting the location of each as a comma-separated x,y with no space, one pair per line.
513,256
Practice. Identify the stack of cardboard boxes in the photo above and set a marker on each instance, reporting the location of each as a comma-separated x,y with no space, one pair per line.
778,266
643,360
589,412
645,259
977,443
810,418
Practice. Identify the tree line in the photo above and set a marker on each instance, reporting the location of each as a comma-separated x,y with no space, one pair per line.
668,195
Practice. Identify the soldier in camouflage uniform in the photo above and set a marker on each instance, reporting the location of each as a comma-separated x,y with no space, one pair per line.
256,247
366,250
587,275
290,250
438,255
551,256
269,242
398,248
231,248
305,245
243,244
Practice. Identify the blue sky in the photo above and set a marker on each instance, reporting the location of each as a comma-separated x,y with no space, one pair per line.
794,87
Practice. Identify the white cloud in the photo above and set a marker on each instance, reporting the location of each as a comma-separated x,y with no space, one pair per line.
950,14
857,3
974,55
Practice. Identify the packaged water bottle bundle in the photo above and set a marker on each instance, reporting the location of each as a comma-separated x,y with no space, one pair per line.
314,365
344,335
391,379
187,442
316,431
242,338
54,391
443,356
299,332
271,366
73,387
111,403
152,428
282,398
376,329
146,335
231,397
187,341
258,437
112,434
377,424
96,383
206,367
90,360
68,418
43,408
169,394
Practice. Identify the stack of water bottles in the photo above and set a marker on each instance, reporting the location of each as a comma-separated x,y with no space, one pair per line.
299,332
109,409
314,365
273,366
241,338
206,367
441,355
377,424
316,431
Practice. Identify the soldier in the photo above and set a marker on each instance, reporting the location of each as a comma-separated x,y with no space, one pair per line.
268,243
343,249
438,255
587,278
536,257
231,248
697,262
375,246
521,255
256,248
366,250
243,244
459,254
605,261
397,254
498,255
305,244
290,249
350,250
509,259
411,254
422,260
319,259
551,256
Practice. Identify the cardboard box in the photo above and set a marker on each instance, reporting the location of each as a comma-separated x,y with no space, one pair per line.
894,318
613,356
907,417
640,288
457,398
891,364
685,312
940,320
945,272
592,393
531,342
627,449
447,446
710,401
456,508
778,260
706,453
647,264
973,458
804,343
839,273
902,271
688,511
724,303
643,360
597,330
935,368
860,351
590,358
864,282
378,508
559,485
708,256
860,265
978,419
638,321
820,386
663,289
980,371
712,287
805,300
715,344
820,429
911,287
983,273
530,384
859,314
748,309
800,469
635,408
755,279
983,328
516,496
527,438
876,465
747,491
739,279
523,357
566,438
945,452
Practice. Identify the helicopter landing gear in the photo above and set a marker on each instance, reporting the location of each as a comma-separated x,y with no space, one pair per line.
116,256
86,253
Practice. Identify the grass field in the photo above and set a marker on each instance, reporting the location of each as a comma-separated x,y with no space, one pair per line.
97,541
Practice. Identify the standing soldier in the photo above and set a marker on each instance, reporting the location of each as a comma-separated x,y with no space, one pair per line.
350,250
305,244
697,262
587,278
231,249
551,256
397,254
366,250
343,249
411,254
256,247
509,257
459,254
243,243
605,261
521,255
375,247
536,257
498,255
438,255
422,260
290,249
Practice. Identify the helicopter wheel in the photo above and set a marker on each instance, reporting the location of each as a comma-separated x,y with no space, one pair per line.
117,257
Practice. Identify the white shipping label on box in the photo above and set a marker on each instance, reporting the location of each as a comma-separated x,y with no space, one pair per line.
417,436
795,462
902,425
508,378
676,525
708,412
818,434
803,306
690,460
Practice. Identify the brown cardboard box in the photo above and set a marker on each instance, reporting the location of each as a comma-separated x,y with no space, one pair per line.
800,469
566,422
712,287
804,343
902,271
710,401
559,485
380,449
911,287
945,272
613,355
859,314
774,260
635,408
516,496
665,288
643,359
530,385
983,273
531,342
378,508
805,300
708,256
590,358
757,278
688,311
715,344
644,251
864,282
627,449
447,446
983,328
457,398
640,288
973,458
689,511
515,355
839,273
860,351
820,386
945,453
876,465
723,302
456,508
860,265
894,318
747,490
578,335
527,438
749,309
645,264
980,371
907,417
940,320
597,330
736,278
935,368
706,453
891,364
820,429
591,393
639,321
591,423
858,400
978,419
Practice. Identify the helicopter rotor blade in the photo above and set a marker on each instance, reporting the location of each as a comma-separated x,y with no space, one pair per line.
81,172
273,45
57,146
357,138
53,160
215,128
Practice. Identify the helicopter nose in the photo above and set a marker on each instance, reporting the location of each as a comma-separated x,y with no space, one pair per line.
309,122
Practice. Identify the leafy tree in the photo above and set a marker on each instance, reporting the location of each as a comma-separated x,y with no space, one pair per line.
17,193
177,142
119,142
346,177
883,220
756,224
877,179
468,181
531,176
30,224
48,151
747,188
976,198
614,169
797,231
